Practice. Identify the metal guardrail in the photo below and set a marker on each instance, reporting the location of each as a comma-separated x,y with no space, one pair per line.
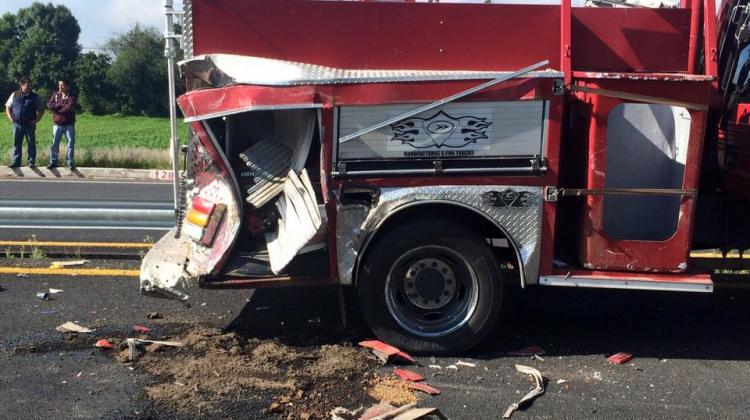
114,215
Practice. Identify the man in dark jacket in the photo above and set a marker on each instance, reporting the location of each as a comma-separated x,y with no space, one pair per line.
24,109
63,107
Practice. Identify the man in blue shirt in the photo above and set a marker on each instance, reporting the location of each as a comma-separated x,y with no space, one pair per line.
24,109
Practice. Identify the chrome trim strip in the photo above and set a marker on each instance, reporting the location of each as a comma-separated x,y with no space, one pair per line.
625,283
432,171
251,108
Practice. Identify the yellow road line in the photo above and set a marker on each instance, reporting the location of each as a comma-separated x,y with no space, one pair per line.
70,271
716,254
79,244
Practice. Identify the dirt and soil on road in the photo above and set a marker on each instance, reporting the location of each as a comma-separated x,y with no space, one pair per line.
213,368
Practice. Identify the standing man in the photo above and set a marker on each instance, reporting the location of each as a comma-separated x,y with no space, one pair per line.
24,109
63,107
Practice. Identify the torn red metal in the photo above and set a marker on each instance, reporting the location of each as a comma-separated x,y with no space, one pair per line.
386,350
427,389
141,329
620,358
408,375
104,344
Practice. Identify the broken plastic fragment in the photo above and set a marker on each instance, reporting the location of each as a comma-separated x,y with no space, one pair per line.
454,367
434,366
141,329
537,391
104,344
42,296
386,350
73,327
466,364
408,375
620,358
424,388
55,291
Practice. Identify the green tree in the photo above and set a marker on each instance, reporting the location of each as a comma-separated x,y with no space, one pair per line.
138,72
8,45
95,91
45,45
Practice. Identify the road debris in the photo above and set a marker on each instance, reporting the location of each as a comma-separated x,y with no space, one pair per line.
154,315
134,343
391,390
382,411
537,391
454,367
72,327
63,264
42,296
141,329
537,357
434,366
466,364
527,352
55,291
104,344
620,358
302,380
22,276
384,352
424,388
408,375
561,381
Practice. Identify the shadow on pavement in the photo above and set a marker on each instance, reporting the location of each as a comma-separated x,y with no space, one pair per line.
563,322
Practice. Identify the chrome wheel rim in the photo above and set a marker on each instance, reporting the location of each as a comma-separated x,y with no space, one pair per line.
431,291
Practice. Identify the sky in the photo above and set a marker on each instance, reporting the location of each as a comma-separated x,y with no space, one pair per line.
101,19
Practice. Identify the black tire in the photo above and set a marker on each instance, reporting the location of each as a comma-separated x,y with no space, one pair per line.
434,253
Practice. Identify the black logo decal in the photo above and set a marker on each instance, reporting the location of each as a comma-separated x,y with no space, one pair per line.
509,198
440,130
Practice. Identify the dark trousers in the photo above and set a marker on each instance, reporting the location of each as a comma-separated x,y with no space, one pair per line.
19,132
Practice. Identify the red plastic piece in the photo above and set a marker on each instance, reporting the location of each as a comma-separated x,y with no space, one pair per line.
202,205
620,358
408,375
386,349
424,388
141,329
527,351
104,344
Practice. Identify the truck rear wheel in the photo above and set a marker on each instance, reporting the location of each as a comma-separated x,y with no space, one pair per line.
431,286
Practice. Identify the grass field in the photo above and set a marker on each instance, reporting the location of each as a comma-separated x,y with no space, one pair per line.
103,141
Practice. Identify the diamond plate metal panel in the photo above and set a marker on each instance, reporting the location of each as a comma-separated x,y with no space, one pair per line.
272,72
187,28
515,209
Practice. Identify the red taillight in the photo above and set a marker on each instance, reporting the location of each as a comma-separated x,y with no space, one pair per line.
203,220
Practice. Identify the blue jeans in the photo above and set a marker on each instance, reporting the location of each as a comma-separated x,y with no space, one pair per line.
57,133
19,132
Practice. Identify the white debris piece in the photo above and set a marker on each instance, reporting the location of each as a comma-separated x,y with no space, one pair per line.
467,364
537,391
73,327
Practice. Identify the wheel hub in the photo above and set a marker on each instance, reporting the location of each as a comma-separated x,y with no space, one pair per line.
429,283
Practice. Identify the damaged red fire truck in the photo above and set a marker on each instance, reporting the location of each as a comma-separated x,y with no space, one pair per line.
432,156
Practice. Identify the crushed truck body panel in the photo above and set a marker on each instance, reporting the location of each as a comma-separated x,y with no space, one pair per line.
163,272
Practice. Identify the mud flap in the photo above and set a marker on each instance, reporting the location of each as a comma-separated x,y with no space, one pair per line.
163,273
300,221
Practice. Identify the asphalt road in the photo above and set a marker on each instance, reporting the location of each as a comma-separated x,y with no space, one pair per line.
692,352
83,190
